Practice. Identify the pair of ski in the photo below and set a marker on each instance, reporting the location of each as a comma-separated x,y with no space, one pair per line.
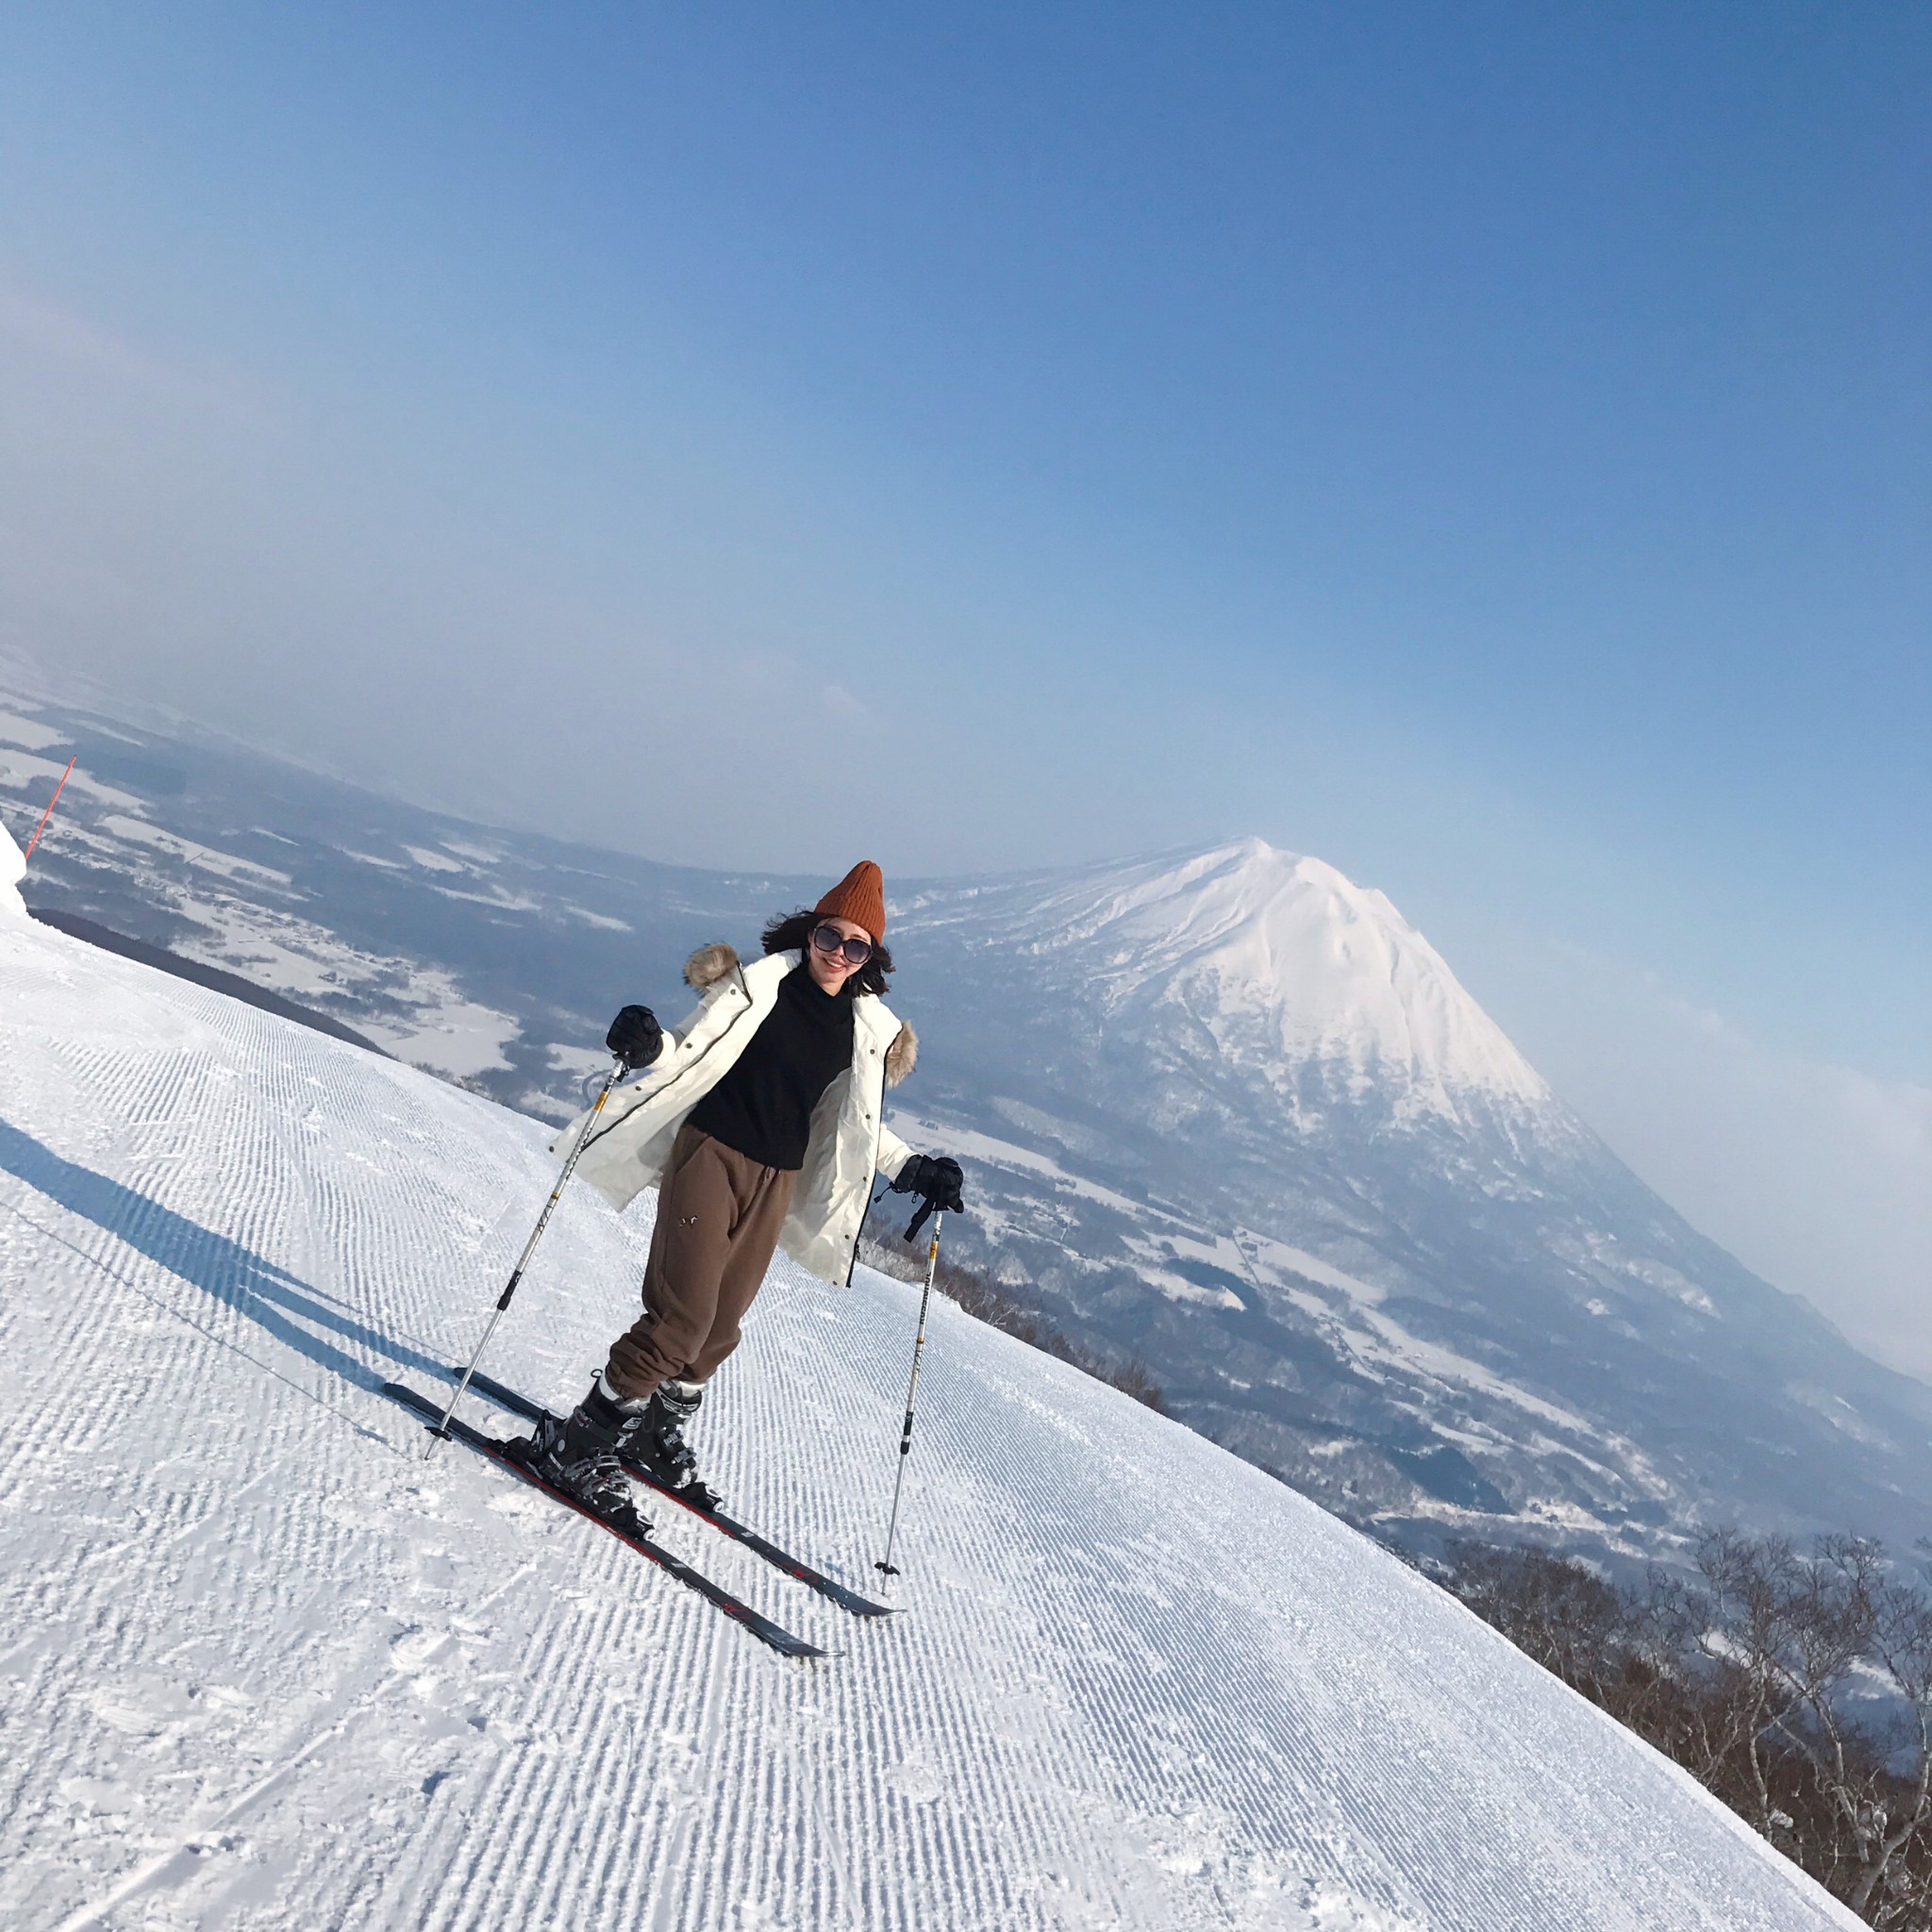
754,1621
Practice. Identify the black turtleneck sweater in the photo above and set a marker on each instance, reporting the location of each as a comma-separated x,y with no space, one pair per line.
762,1107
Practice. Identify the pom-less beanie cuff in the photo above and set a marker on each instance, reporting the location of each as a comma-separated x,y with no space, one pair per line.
859,896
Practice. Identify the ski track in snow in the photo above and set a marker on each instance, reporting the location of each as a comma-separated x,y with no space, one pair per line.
267,1666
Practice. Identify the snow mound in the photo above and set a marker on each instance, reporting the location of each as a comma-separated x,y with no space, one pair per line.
266,1666
13,870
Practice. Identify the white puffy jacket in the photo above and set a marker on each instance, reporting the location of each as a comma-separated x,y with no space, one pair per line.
849,1140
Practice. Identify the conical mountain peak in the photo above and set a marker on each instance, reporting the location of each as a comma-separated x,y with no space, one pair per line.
1283,960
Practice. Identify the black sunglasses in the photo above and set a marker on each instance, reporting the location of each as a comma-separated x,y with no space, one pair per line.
828,938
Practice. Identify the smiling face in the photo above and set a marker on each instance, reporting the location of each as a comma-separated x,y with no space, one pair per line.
830,971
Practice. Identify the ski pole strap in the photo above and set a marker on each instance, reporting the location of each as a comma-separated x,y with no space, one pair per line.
919,1221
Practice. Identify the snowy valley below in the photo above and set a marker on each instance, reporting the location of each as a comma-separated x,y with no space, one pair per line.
267,1667
1223,1111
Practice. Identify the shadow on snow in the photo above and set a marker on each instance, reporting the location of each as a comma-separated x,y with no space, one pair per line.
234,1275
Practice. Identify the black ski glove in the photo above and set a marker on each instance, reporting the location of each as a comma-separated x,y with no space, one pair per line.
936,1182
635,1037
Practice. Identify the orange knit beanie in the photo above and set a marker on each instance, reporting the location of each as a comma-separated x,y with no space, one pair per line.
859,896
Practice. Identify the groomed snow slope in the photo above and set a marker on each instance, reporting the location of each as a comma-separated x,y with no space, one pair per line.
263,1666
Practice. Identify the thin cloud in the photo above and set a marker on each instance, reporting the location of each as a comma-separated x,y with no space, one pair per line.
34,328
1815,1173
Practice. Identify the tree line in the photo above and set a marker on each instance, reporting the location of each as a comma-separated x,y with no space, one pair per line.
1796,1686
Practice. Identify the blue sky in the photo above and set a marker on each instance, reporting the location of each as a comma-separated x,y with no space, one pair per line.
1488,448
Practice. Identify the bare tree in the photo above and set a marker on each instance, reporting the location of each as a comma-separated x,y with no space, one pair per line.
1888,1889
1782,1635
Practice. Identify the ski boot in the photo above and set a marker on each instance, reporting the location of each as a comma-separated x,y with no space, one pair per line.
581,1455
659,1447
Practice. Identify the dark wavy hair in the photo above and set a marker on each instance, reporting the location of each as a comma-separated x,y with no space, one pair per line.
790,932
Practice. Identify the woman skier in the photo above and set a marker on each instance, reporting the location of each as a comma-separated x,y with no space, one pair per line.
761,1122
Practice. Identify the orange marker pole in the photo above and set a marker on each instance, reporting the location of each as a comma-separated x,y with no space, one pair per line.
50,804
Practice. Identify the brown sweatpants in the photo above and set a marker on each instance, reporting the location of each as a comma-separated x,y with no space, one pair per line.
719,1213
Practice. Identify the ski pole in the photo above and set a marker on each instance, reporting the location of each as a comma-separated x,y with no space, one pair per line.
932,1267
440,1432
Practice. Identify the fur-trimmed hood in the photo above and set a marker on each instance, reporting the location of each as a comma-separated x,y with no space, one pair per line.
718,962
709,965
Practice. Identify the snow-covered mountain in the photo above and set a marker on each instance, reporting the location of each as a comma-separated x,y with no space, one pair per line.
1232,1110
1266,960
266,1667
1225,1110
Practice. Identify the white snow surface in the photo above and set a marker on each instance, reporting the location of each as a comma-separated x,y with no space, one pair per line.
263,1665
